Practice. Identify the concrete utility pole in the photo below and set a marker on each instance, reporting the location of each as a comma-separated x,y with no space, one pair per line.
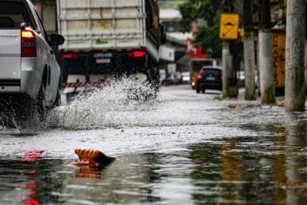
266,68
295,56
227,64
229,73
249,52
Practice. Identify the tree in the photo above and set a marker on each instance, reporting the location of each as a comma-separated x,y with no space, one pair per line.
207,35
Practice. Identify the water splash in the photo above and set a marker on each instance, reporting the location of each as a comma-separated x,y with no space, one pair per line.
101,106
19,114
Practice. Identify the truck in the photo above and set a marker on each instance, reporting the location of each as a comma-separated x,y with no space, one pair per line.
107,39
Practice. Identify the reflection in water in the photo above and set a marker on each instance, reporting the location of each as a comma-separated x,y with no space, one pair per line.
279,165
206,172
263,170
88,172
230,171
238,170
27,182
295,161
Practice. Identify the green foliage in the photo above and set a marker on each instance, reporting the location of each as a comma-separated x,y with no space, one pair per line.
280,7
189,14
208,38
207,35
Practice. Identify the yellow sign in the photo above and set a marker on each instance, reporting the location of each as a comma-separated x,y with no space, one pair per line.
229,25
279,58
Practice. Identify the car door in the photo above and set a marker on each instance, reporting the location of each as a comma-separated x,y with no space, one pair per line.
53,69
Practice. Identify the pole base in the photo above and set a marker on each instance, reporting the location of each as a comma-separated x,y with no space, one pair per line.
233,92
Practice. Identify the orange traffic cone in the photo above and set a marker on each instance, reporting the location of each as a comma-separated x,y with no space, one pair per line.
92,158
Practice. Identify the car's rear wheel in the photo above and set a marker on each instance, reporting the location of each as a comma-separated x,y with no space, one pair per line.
41,103
57,101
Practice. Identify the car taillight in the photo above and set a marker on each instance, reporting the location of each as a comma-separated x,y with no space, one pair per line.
70,55
221,74
28,44
136,54
199,74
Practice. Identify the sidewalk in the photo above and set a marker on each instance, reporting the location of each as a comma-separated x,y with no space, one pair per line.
241,97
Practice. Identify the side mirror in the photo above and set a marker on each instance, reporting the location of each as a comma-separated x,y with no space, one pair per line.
55,39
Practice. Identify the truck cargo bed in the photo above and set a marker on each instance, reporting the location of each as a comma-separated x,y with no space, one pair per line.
102,24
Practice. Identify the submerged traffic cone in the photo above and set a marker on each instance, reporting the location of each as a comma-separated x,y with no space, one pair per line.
92,158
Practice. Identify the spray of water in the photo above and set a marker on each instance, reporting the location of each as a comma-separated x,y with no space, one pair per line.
101,107
19,113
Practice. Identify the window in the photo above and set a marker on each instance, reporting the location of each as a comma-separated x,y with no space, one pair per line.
12,14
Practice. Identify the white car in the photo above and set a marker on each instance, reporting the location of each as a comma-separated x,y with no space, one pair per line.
29,72
186,77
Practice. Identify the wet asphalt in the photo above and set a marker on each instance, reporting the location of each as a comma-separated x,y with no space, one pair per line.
181,148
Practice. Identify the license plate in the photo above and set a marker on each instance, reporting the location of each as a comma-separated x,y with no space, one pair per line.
103,60
210,78
102,55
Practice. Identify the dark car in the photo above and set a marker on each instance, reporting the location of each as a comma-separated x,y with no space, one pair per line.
209,78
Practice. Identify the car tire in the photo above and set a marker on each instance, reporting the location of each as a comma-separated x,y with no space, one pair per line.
197,90
203,91
41,103
57,101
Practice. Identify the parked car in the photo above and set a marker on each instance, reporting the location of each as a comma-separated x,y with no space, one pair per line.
169,80
185,77
241,78
177,78
29,70
172,79
209,78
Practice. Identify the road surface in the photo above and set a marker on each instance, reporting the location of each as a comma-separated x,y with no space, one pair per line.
181,148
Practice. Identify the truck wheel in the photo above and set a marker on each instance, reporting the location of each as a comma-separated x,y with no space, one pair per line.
153,73
152,79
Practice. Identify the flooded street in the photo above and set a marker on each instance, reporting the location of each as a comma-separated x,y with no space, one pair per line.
182,148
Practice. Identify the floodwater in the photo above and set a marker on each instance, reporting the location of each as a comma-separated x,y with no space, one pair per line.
182,148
